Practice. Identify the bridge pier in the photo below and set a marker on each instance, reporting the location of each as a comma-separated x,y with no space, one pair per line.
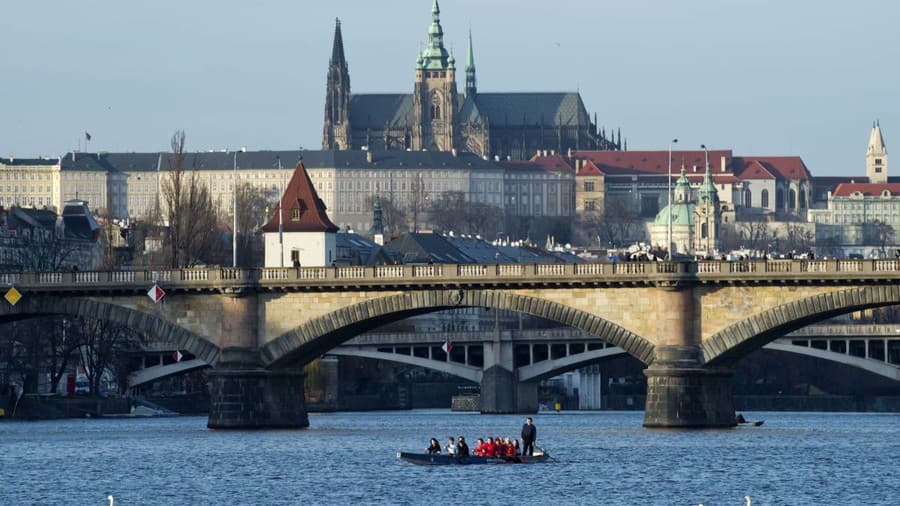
683,394
502,392
244,395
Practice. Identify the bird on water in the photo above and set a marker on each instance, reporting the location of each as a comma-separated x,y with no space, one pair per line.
111,500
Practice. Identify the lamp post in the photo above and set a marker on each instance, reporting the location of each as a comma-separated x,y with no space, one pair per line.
708,231
669,195
234,183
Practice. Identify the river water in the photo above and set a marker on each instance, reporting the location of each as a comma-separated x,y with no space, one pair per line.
350,458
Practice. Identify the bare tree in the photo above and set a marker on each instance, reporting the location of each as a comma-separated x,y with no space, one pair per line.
251,215
753,234
798,237
417,200
44,250
880,234
192,235
102,342
588,228
393,218
448,210
621,223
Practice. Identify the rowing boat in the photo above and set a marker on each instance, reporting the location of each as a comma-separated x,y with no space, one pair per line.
755,423
425,459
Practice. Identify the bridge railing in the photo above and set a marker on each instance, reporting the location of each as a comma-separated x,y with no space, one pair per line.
438,273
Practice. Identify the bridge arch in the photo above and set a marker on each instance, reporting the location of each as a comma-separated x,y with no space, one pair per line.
317,336
466,372
749,334
35,306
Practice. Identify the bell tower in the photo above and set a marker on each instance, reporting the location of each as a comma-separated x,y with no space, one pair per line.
876,156
435,100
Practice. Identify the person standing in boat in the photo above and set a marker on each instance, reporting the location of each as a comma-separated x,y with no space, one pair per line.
529,437
462,449
433,447
451,447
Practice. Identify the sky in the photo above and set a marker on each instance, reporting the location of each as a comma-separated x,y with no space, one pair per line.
760,77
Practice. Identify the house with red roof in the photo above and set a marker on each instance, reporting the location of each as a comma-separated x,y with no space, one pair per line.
299,231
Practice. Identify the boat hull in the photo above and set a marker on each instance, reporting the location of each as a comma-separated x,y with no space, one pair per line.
424,459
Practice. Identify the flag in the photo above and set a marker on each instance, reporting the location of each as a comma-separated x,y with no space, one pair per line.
447,347
177,356
87,136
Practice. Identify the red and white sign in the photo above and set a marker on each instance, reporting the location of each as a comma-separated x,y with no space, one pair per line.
156,293
177,356
447,347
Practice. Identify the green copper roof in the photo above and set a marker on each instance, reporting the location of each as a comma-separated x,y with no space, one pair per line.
682,214
708,192
682,188
435,56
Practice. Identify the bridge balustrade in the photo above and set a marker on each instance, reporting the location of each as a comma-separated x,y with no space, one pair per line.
471,270
194,275
814,266
427,271
886,265
277,274
629,268
390,271
511,270
350,272
849,265
709,267
589,269
550,269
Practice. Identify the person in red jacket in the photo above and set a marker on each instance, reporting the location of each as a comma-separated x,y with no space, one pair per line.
501,447
510,449
490,448
479,448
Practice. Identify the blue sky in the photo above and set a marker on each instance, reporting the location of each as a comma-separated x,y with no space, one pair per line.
760,77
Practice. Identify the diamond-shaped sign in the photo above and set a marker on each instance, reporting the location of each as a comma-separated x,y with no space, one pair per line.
156,293
12,296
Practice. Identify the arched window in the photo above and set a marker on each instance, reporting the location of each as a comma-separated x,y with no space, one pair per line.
764,198
802,204
779,199
704,230
748,202
792,199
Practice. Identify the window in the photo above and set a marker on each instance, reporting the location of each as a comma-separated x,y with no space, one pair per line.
590,205
764,198
295,214
295,257
588,186
878,162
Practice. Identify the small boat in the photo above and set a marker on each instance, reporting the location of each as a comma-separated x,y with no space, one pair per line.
751,423
425,459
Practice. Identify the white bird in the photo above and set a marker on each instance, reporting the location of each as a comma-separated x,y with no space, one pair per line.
747,500
111,500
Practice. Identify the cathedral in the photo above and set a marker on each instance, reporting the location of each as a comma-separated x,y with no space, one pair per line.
437,117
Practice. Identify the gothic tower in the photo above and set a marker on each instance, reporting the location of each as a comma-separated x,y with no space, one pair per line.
434,96
876,156
471,88
336,132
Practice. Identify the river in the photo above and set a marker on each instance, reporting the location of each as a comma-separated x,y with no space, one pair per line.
349,458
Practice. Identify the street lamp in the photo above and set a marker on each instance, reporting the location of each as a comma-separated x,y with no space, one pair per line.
708,231
669,195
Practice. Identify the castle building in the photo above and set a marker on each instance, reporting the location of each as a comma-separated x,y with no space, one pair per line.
437,117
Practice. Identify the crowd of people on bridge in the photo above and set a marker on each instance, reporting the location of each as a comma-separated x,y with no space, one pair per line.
496,447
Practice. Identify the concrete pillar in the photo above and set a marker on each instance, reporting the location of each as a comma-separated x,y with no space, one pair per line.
501,391
244,395
681,392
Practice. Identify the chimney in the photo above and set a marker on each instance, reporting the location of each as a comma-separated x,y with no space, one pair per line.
369,156
723,163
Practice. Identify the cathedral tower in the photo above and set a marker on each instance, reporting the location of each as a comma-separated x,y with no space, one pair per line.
471,88
434,99
707,214
876,156
336,132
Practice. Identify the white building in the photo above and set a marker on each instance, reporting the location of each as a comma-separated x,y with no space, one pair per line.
299,232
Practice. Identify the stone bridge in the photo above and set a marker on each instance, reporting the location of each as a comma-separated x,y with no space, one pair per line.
690,322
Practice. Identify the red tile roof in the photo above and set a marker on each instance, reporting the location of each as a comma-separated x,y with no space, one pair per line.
656,162
752,169
300,195
549,163
782,167
868,189
589,169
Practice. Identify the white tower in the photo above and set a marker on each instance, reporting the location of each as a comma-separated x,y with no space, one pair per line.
876,156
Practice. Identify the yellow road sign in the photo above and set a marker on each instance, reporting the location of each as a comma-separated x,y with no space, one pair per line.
12,296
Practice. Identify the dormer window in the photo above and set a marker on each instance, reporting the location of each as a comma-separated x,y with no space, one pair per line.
295,214
886,193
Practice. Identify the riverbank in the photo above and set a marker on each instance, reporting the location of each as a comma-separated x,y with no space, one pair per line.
44,407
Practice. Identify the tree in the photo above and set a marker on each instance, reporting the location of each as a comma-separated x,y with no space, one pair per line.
417,200
621,222
192,236
102,343
880,234
798,238
448,211
393,218
753,234
251,215
43,250
588,228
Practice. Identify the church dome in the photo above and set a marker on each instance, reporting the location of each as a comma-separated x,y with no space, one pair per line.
682,214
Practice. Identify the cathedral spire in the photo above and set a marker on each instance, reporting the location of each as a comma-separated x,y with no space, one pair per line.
435,56
337,48
470,69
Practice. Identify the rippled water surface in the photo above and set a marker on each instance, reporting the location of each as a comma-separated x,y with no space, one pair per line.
347,458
